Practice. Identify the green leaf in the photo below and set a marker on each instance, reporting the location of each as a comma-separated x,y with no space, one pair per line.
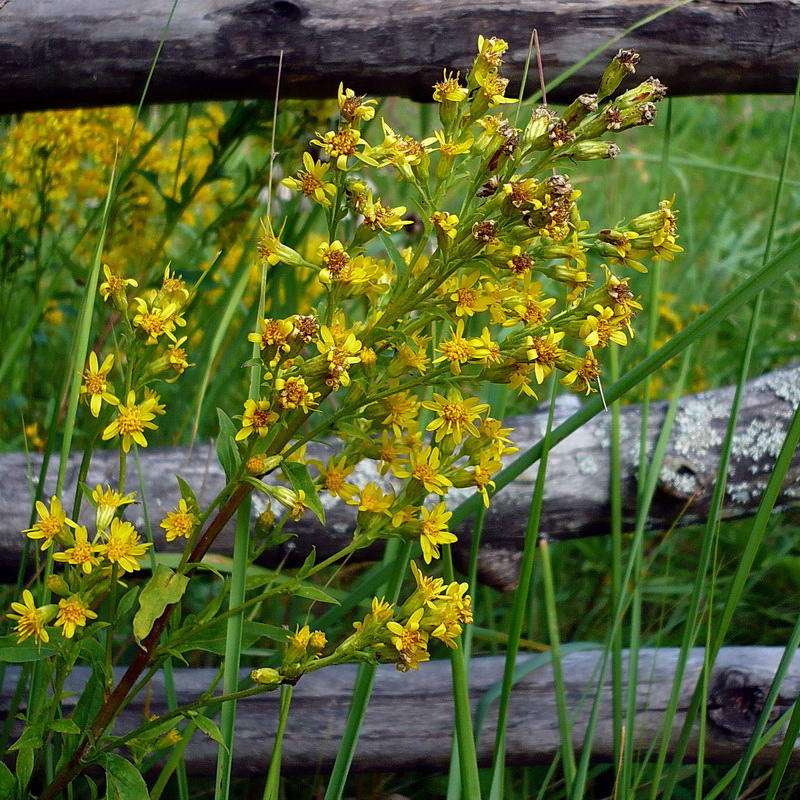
8,783
13,653
127,602
24,768
227,451
186,492
164,588
298,475
123,780
308,563
31,738
311,592
212,639
87,493
209,728
64,726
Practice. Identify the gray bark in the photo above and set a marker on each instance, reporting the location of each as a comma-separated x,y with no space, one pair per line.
576,500
60,53
393,738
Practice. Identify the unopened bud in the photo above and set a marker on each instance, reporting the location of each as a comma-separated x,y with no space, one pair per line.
622,65
57,585
266,676
577,110
590,151
651,90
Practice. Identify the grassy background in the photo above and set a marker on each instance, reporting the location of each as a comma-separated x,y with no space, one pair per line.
724,160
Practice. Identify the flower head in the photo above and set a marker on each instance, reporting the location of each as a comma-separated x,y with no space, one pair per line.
434,531
83,553
73,613
131,421
257,418
95,386
180,522
30,620
123,546
52,522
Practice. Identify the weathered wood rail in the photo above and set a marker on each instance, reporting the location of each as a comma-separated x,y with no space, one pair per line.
393,739
95,52
576,497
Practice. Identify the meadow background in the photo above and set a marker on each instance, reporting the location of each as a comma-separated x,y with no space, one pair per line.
191,195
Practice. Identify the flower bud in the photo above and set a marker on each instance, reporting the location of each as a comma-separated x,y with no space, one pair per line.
590,151
577,110
622,65
537,126
266,676
651,90
57,585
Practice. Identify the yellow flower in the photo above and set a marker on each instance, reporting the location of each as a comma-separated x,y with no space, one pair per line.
157,322
52,522
176,358
339,355
73,613
410,642
354,108
582,371
107,501
543,352
298,505
428,589
434,531
273,338
114,285
449,88
82,554
294,393
468,298
131,422
490,349
30,621
445,223
520,379
600,328
343,144
95,383
425,468
311,181
334,478
486,467
173,287
372,499
447,146
457,350
124,546
272,251
401,410
455,416
180,522
378,217
257,418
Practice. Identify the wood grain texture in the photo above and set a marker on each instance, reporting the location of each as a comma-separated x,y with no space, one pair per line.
393,739
576,500
59,54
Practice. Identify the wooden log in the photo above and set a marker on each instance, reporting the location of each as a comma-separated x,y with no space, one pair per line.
576,500
409,722
94,52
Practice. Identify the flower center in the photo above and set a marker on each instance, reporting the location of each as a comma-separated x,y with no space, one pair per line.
95,382
454,412
130,420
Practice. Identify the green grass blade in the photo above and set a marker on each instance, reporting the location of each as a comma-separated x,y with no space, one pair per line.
362,690
738,584
233,649
520,606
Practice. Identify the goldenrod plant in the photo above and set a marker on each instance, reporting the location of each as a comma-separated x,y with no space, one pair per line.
484,273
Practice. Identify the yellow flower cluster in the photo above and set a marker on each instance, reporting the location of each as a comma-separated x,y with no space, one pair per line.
90,563
510,286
